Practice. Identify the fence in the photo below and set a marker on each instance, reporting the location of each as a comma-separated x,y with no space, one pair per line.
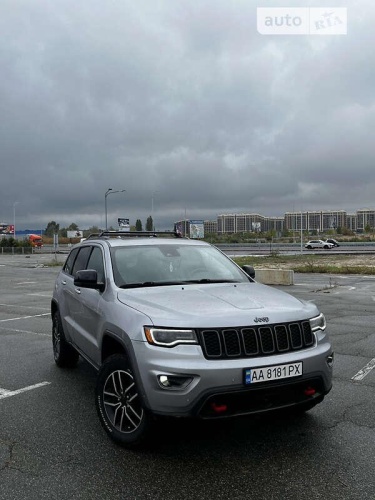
17,250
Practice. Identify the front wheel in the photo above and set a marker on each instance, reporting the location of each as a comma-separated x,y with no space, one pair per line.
119,403
64,354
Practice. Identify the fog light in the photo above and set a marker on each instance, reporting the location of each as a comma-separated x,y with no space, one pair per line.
174,381
163,379
330,360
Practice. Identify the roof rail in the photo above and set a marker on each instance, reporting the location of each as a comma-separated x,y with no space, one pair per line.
133,234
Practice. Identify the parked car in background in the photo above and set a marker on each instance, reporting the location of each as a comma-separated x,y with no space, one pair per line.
175,328
335,243
318,244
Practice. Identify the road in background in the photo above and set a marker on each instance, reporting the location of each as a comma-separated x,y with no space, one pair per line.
233,249
53,447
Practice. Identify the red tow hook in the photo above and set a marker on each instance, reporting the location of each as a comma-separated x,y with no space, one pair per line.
310,391
219,408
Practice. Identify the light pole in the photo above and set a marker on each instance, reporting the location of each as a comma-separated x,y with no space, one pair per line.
109,191
14,219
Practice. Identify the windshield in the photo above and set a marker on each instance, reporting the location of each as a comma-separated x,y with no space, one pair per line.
172,264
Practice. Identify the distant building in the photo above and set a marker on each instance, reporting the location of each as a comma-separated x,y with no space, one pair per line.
351,222
365,218
316,220
319,221
210,227
242,223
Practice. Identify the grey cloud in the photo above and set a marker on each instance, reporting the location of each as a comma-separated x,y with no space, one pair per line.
183,100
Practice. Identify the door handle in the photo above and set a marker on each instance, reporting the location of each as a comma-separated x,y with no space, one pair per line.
77,290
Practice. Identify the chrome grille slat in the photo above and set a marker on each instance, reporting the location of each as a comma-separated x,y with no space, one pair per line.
256,341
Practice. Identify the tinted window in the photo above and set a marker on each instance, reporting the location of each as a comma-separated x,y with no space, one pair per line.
70,261
81,260
96,262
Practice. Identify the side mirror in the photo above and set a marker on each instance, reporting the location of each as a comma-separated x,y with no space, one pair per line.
249,270
88,278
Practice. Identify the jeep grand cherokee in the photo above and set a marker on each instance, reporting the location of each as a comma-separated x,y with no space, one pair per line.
174,327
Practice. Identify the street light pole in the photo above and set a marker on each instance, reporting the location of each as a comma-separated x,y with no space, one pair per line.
109,191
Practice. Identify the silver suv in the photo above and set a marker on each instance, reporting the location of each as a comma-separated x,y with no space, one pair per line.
174,327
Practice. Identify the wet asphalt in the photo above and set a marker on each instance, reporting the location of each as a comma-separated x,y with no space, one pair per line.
53,447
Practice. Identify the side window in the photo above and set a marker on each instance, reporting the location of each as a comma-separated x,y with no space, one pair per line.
68,266
81,260
96,262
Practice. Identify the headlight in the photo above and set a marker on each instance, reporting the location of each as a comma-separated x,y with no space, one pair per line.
166,337
318,323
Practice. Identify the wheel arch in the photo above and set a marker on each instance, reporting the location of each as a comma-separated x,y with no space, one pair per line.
112,345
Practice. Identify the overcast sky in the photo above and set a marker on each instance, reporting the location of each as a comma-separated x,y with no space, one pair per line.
186,106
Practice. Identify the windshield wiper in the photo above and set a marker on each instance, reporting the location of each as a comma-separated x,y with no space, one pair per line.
208,280
146,284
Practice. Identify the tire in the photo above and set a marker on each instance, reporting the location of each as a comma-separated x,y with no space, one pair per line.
309,247
64,354
326,247
119,405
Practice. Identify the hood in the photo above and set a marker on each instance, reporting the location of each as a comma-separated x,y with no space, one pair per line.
216,305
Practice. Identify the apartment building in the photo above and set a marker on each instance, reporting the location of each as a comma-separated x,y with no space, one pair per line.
242,223
210,226
320,221
365,218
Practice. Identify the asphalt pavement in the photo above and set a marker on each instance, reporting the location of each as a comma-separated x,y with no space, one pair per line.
53,447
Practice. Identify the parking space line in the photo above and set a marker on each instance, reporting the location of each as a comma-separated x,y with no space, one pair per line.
25,317
4,393
364,371
24,307
16,330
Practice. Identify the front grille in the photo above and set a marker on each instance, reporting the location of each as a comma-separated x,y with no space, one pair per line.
256,341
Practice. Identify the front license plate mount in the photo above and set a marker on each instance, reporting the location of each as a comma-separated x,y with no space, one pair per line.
273,372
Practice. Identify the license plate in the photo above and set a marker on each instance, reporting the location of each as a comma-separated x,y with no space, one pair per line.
275,372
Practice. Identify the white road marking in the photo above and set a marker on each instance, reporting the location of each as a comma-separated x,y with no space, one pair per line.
40,294
27,283
24,317
24,307
365,371
4,393
24,331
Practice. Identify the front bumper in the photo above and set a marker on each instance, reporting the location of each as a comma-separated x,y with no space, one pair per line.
218,384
